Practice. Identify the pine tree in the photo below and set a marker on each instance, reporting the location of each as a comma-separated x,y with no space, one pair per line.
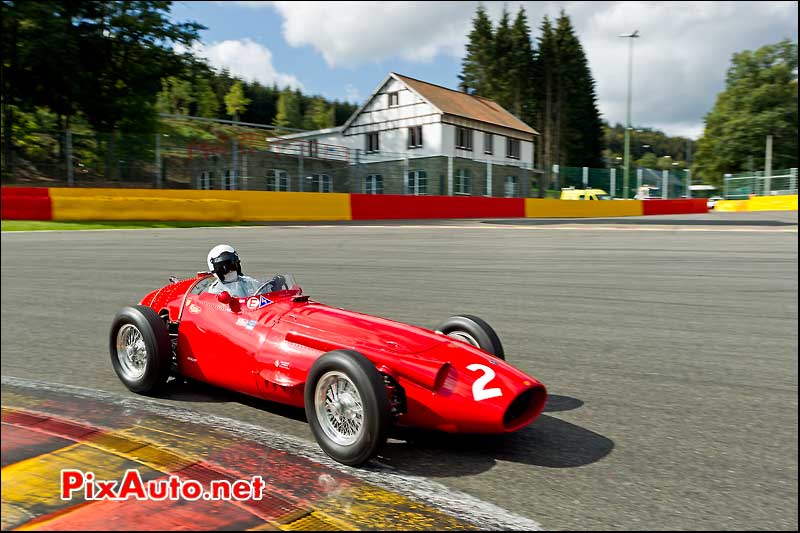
289,115
500,68
544,95
581,136
521,69
476,64
566,102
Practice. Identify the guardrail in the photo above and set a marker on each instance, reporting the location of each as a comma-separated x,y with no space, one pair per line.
25,203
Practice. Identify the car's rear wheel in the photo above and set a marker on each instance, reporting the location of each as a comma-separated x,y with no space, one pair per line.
474,331
347,406
140,349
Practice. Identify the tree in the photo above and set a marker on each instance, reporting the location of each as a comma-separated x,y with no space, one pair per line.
176,96
319,115
501,67
582,138
566,104
124,51
475,77
648,160
521,70
235,101
207,102
760,99
544,68
289,115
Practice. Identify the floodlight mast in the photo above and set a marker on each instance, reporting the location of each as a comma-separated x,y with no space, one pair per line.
631,36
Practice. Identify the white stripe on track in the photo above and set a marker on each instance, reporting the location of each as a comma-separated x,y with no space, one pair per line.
491,226
459,504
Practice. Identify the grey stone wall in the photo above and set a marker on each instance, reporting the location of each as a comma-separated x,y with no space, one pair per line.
350,176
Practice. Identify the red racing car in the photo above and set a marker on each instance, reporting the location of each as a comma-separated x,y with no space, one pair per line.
356,375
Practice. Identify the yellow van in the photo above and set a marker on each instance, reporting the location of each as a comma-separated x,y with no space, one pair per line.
572,193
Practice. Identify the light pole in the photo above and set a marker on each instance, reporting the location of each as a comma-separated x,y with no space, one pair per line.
631,36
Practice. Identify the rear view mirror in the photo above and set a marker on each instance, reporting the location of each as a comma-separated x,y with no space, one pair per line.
225,298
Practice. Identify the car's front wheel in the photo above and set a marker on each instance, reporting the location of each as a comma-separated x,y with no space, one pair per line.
347,406
140,349
474,331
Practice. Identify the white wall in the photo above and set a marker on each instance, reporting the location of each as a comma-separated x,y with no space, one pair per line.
392,125
477,152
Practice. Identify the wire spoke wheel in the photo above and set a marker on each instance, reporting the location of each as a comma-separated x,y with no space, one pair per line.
131,352
339,408
463,336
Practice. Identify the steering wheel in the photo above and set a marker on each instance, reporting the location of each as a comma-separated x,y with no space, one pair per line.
277,283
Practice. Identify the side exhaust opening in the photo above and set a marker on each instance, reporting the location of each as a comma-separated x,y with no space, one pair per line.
525,407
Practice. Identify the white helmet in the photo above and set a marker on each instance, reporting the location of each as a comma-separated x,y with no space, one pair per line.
223,261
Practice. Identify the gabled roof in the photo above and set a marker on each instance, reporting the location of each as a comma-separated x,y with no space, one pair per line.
460,104
451,102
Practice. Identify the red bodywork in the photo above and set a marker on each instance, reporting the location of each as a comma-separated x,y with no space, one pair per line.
437,382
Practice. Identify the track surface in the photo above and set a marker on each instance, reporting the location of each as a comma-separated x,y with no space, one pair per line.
670,352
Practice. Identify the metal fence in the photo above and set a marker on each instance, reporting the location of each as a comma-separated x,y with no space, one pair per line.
642,182
741,186
240,158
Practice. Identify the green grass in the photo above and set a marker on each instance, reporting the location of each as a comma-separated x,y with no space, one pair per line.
33,225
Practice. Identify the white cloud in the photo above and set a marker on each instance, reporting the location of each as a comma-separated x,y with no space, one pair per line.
351,33
679,61
246,59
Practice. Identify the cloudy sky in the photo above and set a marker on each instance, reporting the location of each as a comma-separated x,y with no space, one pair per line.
343,50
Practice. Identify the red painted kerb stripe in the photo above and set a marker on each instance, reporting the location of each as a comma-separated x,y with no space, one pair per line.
674,207
392,206
25,203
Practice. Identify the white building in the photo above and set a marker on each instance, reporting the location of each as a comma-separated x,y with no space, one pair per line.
412,121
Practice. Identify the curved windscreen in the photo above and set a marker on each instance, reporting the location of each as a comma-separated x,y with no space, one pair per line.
279,282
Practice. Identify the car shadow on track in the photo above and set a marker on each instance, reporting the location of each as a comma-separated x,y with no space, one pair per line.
186,390
548,442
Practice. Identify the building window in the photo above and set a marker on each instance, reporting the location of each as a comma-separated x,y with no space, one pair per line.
373,184
488,143
417,182
511,187
415,137
277,180
512,148
204,180
394,99
372,142
462,181
320,183
464,138
227,180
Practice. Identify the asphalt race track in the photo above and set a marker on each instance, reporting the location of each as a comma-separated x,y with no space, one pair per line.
668,346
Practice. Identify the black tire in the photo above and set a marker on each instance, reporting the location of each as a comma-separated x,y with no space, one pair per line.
478,329
374,399
158,357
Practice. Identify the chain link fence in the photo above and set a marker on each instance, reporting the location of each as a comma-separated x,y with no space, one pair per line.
251,159
743,185
642,182
242,158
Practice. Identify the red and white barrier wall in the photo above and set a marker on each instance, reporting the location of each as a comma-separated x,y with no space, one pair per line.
61,204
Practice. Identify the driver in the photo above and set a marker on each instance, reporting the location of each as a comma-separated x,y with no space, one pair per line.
223,262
